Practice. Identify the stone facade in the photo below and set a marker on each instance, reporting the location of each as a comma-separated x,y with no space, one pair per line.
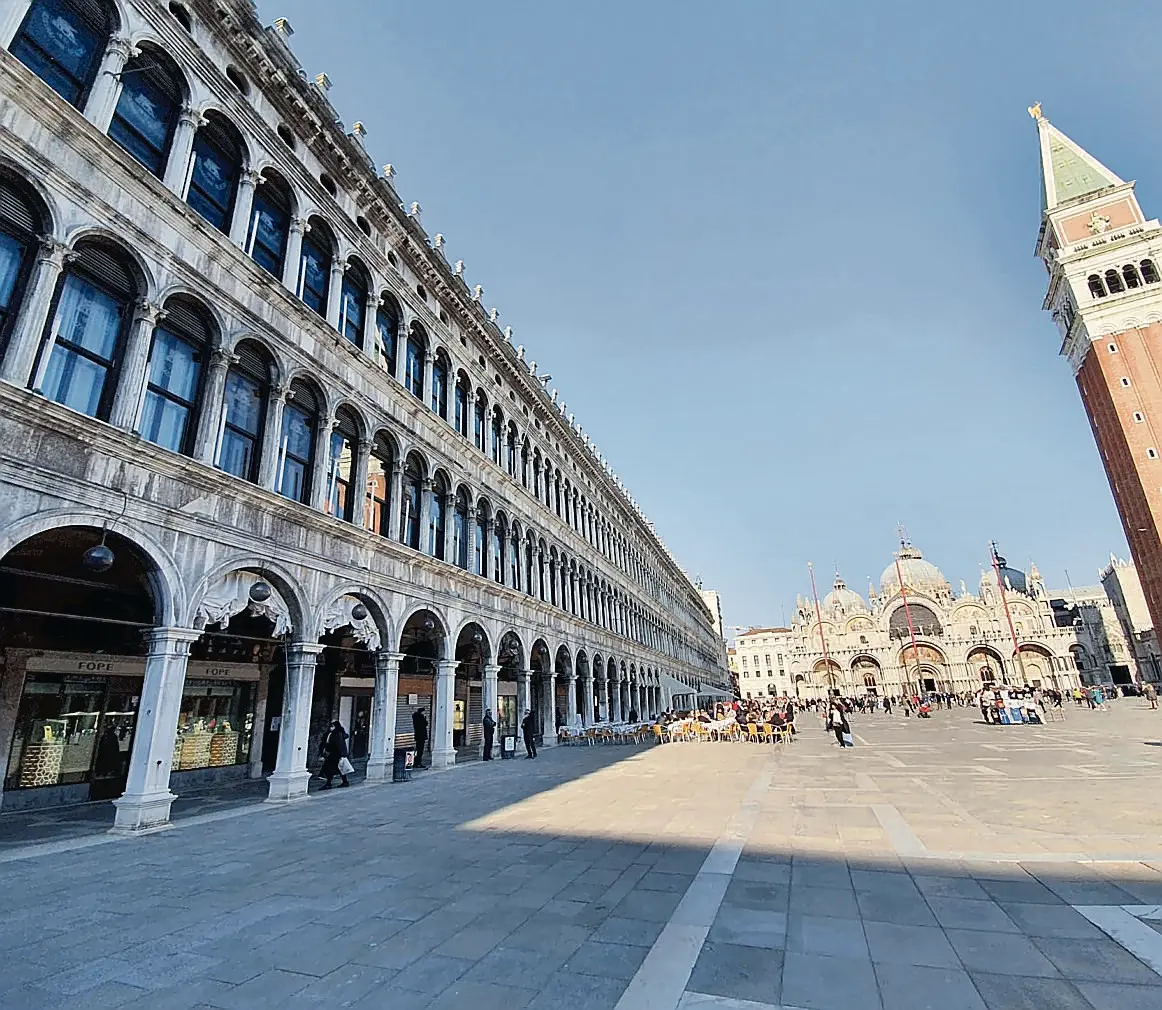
493,543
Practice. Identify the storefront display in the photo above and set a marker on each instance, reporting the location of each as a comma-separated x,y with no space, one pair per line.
216,721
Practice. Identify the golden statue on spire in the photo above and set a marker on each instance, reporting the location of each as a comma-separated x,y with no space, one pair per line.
1035,111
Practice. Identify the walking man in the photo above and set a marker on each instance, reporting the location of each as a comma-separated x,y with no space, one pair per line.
489,732
529,729
420,729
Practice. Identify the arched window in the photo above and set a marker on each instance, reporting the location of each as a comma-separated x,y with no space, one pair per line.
478,422
553,576
270,222
510,446
174,375
460,530
341,465
480,541
1114,282
152,90
541,566
409,514
440,385
514,542
300,419
22,220
413,376
567,500
379,466
524,464
85,339
1149,272
499,534
436,518
461,405
387,334
1097,287
537,474
557,492
353,302
243,412
497,435
1130,275
530,560
215,171
315,266
62,42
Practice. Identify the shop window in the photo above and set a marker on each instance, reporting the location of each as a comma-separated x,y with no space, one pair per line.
147,111
83,346
215,725
174,376
62,42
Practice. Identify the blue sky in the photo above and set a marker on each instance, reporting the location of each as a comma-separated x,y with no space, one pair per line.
778,257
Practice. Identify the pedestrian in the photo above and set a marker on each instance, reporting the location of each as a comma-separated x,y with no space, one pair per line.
334,754
529,728
489,733
1151,693
420,731
839,723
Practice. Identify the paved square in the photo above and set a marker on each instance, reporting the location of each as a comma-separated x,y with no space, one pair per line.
940,863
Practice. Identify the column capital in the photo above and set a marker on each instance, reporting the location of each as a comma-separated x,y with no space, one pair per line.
386,658
299,225
191,117
145,311
222,358
491,669
50,251
446,667
170,640
249,177
121,46
304,649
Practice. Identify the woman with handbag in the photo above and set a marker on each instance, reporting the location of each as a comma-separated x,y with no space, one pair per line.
335,760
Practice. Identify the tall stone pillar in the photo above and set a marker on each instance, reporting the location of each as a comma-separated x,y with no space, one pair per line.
213,415
32,319
130,395
615,714
268,471
549,711
523,694
289,779
395,505
146,800
488,695
443,753
321,468
360,461
243,208
181,149
292,264
571,699
587,707
383,715
335,292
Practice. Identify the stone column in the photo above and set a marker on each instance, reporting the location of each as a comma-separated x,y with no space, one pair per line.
549,711
523,694
486,559
243,208
450,527
425,513
614,702
268,473
470,417
488,695
33,315
289,779
635,698
211,419
429,361
383,714
321,465
181,149
262,696
370,331
130,395
571,699
443,753
335,292
587,708
106,89
146,800
294,254
395,506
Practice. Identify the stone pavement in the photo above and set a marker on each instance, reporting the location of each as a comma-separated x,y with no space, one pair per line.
939,864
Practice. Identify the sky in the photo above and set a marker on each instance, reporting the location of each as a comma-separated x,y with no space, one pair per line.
777,257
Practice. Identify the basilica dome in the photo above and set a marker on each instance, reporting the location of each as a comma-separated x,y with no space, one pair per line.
919,575
847,600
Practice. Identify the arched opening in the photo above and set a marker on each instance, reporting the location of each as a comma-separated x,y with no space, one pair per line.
440,385
866,671
1096,287
417,348
270,222
480,539
530,563
82,348
986,666
497,435
512,550
924,669
437,516
387,318
479,420
379,467
1149,272
1114,282
1036,664
606,707
460,530
62,42
499,541
300,420
72,613
923,622
422,643
22,221
318,251
460,412
510,448
174,375
216,169
344,449
510,657
244,411
539,701
584,713
152,91
472,654
354,294
411,502
1130,276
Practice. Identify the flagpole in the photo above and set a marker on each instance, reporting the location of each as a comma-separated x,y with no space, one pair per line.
819,619
911,627
1008,616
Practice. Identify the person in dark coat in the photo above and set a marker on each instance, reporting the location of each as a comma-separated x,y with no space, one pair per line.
529,728
420,729
489,725
334,748
109,760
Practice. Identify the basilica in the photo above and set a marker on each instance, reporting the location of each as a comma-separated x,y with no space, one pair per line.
913,635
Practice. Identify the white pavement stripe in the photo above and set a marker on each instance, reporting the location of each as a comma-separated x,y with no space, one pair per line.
661,980
1133,934
898,830
705,1001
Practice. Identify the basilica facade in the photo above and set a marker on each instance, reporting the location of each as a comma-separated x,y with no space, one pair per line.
266,458
913,634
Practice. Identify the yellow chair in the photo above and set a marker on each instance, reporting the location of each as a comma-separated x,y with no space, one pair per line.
752,733
767,733
658,733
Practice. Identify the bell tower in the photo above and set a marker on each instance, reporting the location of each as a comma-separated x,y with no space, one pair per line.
1105,295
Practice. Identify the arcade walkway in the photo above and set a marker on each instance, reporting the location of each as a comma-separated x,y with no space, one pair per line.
938,864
